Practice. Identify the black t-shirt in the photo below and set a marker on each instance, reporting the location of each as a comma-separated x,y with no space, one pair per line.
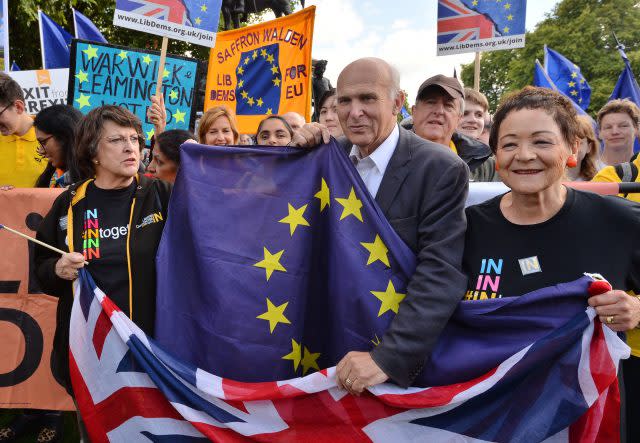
106,227
590,233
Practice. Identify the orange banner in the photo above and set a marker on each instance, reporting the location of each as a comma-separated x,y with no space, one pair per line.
263,69
27,317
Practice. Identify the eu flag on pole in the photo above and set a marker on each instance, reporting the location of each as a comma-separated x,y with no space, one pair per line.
259,81
276,261
567,77
85,29
626,86
54,43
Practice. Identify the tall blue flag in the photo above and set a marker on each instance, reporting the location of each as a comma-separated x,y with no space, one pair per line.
85,29
276,261
54,43
627,87
567,77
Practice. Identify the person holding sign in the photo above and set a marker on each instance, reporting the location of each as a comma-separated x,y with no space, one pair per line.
111,222
218,127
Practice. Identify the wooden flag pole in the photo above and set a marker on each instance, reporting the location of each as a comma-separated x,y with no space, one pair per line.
476,73
163,57
31,239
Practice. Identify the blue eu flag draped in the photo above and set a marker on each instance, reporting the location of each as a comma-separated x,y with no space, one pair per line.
85,29
567,77
275,262
55,43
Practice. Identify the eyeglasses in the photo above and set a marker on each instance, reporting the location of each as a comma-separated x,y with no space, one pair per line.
42,144
5,108
120,142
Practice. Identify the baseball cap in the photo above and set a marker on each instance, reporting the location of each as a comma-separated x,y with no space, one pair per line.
450,85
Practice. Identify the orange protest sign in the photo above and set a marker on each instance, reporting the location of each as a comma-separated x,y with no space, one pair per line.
263,69
27,317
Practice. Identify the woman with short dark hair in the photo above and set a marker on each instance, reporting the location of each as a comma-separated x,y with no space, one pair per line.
165,154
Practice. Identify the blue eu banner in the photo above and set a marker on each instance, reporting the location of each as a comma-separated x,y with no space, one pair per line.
275,262
567,77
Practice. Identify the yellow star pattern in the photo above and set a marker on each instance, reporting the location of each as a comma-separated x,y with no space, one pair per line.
507,6
309,360
352,206
571,84
276,82
295,355
295,218
123,55
165,73
506,29
251,101
173,95
263,52
377,251
573,92
274,69
390,299
82,76
574,75
246,61
83,100
240,70
240,83
146,59
474,3
150,134
270,58
510,17
271,262
244,94
269,111
91,52
254,55
179,116
260,102
198,20
203,8
324,195
274,315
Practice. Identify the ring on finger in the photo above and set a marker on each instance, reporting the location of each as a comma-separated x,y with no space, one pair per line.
610,319
348,382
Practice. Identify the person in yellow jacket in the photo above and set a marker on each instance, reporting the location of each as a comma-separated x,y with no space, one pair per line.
20,163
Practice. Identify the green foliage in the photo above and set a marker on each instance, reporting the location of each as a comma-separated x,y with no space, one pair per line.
582,30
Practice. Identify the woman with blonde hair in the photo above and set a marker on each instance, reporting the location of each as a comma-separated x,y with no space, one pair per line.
218,127
588,161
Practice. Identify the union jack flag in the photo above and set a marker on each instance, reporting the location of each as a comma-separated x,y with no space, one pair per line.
561,386
174,11
458,23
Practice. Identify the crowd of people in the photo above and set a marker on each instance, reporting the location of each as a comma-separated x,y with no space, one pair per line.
418,172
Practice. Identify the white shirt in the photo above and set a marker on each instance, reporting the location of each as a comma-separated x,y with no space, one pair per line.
371,168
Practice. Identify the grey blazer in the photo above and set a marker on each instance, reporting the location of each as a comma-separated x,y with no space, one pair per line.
422,194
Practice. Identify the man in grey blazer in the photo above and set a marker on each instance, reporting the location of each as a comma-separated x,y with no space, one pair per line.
421,189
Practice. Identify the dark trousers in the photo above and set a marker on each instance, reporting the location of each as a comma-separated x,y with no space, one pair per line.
631,371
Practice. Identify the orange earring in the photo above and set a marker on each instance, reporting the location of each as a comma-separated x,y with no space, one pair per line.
497,166
572,162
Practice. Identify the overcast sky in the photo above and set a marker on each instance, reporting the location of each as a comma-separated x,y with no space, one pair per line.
402,32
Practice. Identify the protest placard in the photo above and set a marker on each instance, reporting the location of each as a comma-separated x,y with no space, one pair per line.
188,20
263,69
42,88
475,26
103,74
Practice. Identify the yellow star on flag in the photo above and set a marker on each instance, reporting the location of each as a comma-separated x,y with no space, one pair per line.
271,262
203,8
573,92
506,29
274,69
179,115
352,206
474,3
123,55
260,102
295,218
377,251
270,58
323,195
250,101
82,76
91,52
571,84
276,82
246,61
146,59
83,100
165,73
269,111
274,315
244,94
390,299
295,355
263,52
173,94
574,74
240,70
309,360
198,20
507,6
254,55
150,134
510,17
240,83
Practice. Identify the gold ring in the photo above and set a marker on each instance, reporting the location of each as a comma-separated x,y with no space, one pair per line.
609,319
348,382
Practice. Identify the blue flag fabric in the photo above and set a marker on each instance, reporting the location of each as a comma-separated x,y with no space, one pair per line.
277,259
627,87
259,81
508,18
15,67
55,43
404,112
567,77
86,30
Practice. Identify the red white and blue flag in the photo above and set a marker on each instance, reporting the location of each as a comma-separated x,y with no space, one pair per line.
560,386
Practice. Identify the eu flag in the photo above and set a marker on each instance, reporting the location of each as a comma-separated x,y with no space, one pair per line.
85,29
259,81
204,14
508,17
567,77
275,262
627,87
55,43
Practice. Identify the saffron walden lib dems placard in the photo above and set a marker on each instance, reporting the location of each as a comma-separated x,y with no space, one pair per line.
103,74
193,21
